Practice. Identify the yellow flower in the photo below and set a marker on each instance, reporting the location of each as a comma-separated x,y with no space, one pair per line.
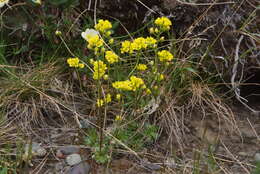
122,85
163,23
108,98
151,30
100,102
126,47
89,33
57,33
160,77
108,33
95,42
141,67
165,56
102,49
99,69
148,91
103,25
91,61
111,41
36,2
162,38
133,84
3,2
81,65
118,118
118,96
139,43
151,63
136,83
111,57
73,62
151,41
105,77
156,30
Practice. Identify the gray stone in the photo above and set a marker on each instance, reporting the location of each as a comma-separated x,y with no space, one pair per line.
73,159
62,152
82,168
34,149
59,166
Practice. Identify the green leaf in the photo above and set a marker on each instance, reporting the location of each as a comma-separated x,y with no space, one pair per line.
3,171
190,69
57,2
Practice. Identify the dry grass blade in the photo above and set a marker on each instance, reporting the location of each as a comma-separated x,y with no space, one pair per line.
205,100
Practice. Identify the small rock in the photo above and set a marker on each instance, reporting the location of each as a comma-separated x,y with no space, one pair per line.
59,166
34,149
67,150
73,159
257,157
82,168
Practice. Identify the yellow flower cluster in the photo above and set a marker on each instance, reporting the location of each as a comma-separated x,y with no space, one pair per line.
141,67
118,96
103,25
118,118
101,102
108,98
148,91
137,44
159,77
126,47
133,84
57,32
122,85
151,41
137,83
74,62
94,42
165,56
99,69
111,57
163,23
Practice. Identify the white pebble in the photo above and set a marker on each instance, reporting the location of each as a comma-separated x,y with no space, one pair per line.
73,159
